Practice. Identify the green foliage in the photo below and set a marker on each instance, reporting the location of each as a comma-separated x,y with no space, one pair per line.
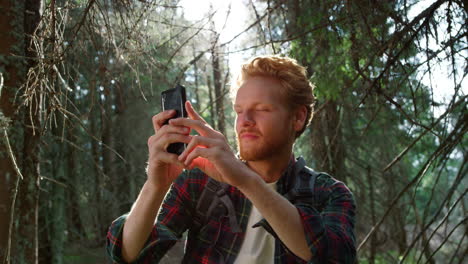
93,153
365,66
4,121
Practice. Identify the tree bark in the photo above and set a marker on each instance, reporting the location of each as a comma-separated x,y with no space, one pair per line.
105,99
73,215
218,87
326,141
126,189
73,211
11,72
373,245
18,22
211,102
28,197
195,75
98,184
217,80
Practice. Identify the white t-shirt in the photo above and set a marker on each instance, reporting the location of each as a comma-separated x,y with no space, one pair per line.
259,245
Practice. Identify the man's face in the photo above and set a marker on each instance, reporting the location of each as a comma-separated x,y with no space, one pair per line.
264,126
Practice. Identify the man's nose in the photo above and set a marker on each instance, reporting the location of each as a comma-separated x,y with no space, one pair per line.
246,119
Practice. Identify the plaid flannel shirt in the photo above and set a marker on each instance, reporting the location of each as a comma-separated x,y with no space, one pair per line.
328,224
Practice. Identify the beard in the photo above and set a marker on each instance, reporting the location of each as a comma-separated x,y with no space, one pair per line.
262,149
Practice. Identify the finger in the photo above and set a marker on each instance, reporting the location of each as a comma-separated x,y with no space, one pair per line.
195,154
195,142
168,129
162,143
151,139
200,126
177,138
192,113
197,163
161,118
169,158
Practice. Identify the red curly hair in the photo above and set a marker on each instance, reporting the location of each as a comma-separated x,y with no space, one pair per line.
298,90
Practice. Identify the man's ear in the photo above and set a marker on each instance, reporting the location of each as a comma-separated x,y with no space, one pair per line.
300,115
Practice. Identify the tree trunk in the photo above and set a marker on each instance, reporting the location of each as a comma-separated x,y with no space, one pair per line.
28,196
98,184
326,141
195,75
211,102
74,226
373,245
218,87
17,23
420,223
106,132
108,159
73,211
73,215
11,72
125,189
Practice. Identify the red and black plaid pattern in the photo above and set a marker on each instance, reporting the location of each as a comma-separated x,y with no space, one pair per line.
328,224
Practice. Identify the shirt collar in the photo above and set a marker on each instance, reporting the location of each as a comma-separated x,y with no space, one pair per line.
287,177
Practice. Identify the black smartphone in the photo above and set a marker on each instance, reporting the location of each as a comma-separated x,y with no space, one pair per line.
175,99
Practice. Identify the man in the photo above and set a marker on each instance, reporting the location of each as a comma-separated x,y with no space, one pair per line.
273,105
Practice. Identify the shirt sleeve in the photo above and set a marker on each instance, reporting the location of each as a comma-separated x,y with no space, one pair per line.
172,221
330,231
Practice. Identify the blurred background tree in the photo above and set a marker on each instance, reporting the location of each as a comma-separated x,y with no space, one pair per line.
80,81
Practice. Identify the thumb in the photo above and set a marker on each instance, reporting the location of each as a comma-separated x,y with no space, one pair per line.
191,112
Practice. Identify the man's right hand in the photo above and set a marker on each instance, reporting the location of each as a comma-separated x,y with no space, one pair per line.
164,167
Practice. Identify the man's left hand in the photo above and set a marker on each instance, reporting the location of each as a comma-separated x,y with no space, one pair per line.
210,152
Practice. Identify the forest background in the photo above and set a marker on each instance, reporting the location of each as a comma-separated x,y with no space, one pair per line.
80,81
